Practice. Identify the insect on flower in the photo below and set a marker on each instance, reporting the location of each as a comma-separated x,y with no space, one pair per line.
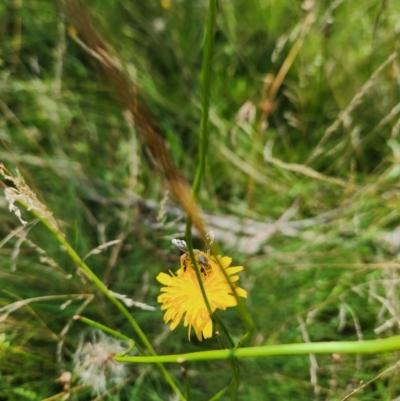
181,296
202,258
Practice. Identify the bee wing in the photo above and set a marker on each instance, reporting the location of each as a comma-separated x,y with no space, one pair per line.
202,259
210,240
180,244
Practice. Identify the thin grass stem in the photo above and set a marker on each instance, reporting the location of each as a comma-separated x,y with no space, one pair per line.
205,105
219,394
99,284
101,327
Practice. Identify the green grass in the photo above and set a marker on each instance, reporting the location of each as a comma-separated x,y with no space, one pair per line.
329,262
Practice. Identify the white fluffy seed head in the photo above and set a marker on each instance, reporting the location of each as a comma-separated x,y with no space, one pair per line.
94,362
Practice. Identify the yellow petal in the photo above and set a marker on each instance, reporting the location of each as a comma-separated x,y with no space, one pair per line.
241,292
198,334
229,301
176,321
207,331
225,261
165,279
234,270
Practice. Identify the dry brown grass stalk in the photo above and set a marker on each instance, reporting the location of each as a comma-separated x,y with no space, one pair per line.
112,68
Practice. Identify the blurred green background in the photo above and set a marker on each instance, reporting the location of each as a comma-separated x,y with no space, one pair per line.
301,188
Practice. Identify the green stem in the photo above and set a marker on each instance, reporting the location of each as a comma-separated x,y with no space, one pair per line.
189,243
221,325
219,394
243,313
201,167
235,379
205,105
99,284
332,347
101,327
233,362
205,95
187,387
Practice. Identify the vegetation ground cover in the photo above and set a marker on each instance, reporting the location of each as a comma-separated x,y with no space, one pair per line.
300,187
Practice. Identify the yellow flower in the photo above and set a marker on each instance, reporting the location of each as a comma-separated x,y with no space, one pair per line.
182,297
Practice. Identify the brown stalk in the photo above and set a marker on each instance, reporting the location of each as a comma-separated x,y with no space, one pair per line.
112,68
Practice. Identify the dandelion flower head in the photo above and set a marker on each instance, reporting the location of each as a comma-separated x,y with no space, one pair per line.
182,298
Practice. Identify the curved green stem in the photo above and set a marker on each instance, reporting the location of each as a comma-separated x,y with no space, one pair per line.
332,347
101,327
110,331
99,284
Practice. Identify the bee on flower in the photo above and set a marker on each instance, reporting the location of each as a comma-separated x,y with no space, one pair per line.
182,298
